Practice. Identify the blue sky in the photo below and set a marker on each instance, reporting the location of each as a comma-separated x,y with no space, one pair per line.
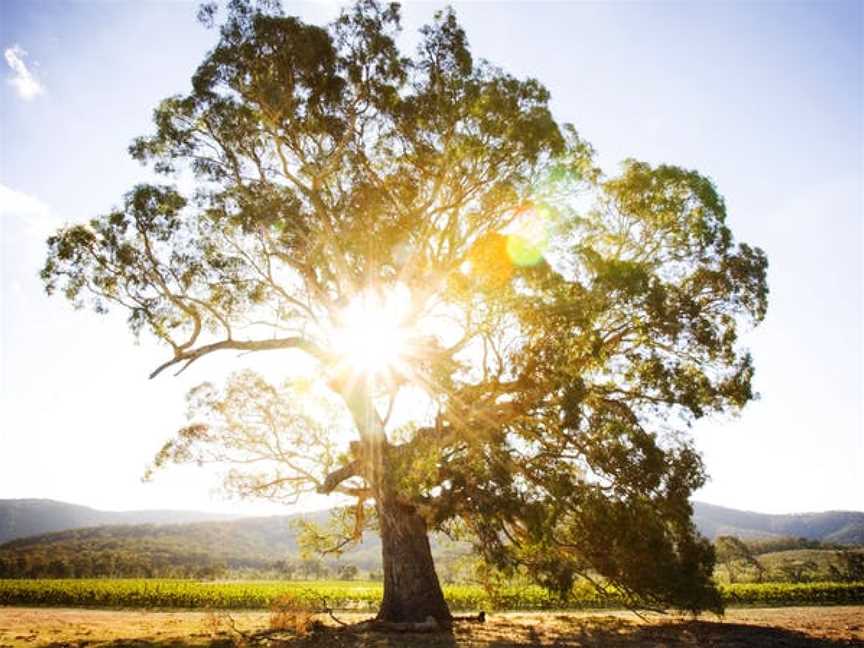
765,98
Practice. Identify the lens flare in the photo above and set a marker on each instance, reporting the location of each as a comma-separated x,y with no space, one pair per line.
528,237
371,337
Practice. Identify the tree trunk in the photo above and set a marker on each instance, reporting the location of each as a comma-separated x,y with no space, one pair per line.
411,588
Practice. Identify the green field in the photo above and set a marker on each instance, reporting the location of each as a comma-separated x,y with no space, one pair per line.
365,595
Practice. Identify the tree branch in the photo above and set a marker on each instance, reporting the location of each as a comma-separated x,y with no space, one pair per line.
190,356
332,481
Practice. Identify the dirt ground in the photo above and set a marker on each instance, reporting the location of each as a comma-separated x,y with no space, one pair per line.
775,627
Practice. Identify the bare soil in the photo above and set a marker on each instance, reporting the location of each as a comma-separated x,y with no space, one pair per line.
787,627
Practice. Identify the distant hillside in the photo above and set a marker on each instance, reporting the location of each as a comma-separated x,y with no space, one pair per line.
20,518
840,527
199,548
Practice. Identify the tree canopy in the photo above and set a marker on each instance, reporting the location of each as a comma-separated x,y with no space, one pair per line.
426,232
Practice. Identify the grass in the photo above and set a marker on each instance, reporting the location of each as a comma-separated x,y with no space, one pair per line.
365,595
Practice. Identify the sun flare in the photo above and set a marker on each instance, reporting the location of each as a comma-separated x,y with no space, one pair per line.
372,337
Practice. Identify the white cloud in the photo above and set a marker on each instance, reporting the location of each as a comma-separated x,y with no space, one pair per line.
18,203
38,217
23,80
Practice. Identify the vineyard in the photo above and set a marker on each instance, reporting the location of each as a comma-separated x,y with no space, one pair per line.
365,595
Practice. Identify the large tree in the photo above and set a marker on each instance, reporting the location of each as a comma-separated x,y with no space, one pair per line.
518,341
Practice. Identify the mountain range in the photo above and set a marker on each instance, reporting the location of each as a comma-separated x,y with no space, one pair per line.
21,518
838,527
49,528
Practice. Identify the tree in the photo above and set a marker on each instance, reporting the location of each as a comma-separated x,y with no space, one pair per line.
285,568
730,550
348,572
798,571
517,341
849,567
312,568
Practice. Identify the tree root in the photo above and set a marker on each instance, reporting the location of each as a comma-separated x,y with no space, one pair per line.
429,625
473,618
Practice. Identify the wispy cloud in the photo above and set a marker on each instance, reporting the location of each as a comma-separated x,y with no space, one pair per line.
23,80
37,217
18,203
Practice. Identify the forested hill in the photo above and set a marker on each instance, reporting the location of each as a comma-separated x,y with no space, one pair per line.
48,522
20,518
839,527
195,548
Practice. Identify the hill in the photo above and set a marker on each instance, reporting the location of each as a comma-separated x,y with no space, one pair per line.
165,547
20,518
201,549
188,549
839,527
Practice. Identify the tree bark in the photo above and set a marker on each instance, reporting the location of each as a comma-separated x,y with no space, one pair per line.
412,592
411,588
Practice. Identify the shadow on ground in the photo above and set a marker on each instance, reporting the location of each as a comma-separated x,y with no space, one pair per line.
557,630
